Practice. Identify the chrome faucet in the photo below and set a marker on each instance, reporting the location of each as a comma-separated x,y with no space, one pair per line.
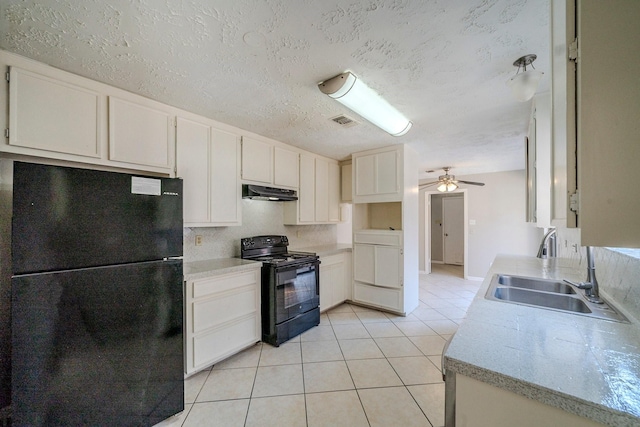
548,246
590,286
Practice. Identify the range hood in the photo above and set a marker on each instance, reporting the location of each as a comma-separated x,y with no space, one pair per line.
258,192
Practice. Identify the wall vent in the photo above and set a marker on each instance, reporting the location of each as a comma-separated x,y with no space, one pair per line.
344,121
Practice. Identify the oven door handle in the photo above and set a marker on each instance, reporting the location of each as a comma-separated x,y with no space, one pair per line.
308,266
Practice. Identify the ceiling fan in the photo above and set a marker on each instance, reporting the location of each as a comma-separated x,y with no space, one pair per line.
448,182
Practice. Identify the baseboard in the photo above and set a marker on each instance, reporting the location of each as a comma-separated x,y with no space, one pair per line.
476,279
437,262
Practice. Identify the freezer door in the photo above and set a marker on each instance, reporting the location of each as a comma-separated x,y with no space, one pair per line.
99,346
67,218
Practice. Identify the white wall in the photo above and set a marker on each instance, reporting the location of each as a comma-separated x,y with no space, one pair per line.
498,210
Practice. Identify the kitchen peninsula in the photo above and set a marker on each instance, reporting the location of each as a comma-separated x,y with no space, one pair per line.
558,368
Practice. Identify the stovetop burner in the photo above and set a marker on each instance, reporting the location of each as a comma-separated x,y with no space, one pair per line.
272,250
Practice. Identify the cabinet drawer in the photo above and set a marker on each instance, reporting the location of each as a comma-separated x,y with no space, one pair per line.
331,260
213,346
377,296
222,283
218,310
379,237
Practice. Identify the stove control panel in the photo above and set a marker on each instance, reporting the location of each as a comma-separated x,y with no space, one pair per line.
263,242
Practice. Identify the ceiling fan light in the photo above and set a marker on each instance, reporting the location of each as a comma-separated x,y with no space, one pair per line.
442,187
452,186
350,91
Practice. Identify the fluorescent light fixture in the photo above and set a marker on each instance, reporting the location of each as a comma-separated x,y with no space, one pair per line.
350,91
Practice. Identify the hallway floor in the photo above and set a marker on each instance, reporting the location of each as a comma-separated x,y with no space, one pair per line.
359,367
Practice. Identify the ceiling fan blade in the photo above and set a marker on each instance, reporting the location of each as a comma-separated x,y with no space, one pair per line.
428,184
471,182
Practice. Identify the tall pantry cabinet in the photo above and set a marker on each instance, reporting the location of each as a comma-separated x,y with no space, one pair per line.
385,228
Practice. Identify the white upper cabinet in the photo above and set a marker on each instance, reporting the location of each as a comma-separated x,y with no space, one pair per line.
257,161
140,133
285,168
334,192
322,190
604,129
319,194
193,166
265,163
208,160
57,115
377,176
306,195
608,97
346,182
54,115
226,189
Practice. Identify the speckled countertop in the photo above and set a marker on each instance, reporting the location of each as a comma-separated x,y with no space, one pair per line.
586,366
325,250
199,269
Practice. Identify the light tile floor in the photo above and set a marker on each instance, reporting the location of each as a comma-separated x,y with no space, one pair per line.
359,367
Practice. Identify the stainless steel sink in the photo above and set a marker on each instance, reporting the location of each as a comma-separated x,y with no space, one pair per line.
548,294
542,299
532,283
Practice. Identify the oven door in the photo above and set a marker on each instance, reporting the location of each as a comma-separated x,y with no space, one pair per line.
297,290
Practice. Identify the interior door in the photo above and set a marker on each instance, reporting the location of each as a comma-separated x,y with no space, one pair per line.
453,226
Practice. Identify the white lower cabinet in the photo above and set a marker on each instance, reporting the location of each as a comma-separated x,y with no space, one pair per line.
222,317
335,280
475,406
378,269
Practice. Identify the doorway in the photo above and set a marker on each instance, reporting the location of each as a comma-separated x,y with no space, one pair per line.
446,232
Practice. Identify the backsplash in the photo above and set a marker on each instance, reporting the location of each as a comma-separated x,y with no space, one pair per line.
259,217
618,274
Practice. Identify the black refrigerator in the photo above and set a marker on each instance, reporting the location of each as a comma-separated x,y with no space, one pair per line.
97,298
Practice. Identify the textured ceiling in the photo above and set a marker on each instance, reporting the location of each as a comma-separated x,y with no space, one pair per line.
255,64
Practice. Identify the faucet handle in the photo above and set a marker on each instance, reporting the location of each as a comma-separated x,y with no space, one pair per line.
581,285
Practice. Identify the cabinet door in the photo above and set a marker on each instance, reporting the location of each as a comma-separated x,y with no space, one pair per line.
334,192
193,154
326,285
307,193
364,263
339,288
285,170
257,161
365,175
388,266
322,190
53,115
140,134
346,180
386,177
226,189
608,97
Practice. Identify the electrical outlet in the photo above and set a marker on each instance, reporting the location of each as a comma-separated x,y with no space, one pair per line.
198,240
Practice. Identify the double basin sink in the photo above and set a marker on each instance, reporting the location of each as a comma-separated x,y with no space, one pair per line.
549,294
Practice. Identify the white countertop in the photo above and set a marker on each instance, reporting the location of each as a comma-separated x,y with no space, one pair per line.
199,269
586,366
